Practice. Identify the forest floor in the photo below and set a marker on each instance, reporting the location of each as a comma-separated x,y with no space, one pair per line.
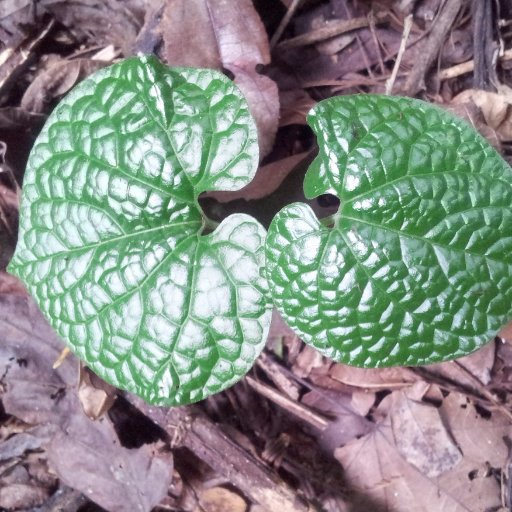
299,432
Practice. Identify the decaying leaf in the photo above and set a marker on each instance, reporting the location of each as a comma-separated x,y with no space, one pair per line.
119,479
421,437
232,37
84,454
347,423
56,81
115,21
422,458
219,499
495,107
95,395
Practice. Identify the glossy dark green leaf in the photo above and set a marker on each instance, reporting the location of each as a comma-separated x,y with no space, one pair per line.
111,242
418,265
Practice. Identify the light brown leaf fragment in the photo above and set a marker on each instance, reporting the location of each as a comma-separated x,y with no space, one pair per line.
378,471
496,109
219,499
421,438
56,81
95,395
227,35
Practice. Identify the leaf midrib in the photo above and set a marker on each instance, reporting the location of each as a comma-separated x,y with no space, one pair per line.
420,238
109,241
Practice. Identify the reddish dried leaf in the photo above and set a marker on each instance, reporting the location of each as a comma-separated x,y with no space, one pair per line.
227,35
267,180
87,456
495,107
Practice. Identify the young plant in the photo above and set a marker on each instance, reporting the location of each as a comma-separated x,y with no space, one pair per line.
112,241
418,265
121,259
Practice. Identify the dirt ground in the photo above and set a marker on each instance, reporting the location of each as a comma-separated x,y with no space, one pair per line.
299,432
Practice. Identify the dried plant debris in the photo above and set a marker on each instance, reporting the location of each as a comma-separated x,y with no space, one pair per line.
55,81
425,458
84,454
302,433
232,38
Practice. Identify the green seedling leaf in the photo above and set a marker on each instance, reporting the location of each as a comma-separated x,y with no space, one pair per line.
111,240
418,265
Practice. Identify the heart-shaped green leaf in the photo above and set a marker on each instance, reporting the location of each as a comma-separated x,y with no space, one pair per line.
111,242
418,265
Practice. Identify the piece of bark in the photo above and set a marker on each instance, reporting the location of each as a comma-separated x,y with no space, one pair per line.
188,427
484,74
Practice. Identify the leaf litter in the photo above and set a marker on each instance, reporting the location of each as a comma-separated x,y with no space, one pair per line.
327,436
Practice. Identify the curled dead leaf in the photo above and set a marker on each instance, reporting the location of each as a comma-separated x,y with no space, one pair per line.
95,395
495,107
56,81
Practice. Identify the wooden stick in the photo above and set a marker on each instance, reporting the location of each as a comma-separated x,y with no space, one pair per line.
331,29
295,408
468,66
403,43
188,427
284,22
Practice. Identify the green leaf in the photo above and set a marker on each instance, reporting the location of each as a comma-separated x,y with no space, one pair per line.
418,265
111,239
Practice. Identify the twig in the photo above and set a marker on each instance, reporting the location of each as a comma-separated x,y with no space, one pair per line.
331,29
284,22
403,42
373,31
291,406
468,66
484,391
430,48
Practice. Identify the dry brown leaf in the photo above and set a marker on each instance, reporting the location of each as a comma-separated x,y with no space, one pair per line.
378,466
267,180
230,36
479,364
495,107
56,81
308,359
95,395
421,438
347,424
219,499
115,21
362,401
86,455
